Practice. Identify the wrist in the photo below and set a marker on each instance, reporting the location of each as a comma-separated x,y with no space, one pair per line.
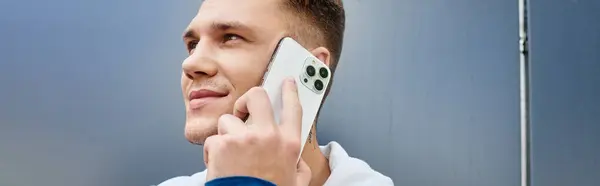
239,181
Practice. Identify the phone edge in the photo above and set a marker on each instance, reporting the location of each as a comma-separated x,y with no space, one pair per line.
275,52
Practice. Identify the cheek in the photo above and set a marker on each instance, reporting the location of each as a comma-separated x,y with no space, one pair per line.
247,71
184,83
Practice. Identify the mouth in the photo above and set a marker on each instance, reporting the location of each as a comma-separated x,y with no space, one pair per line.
202,97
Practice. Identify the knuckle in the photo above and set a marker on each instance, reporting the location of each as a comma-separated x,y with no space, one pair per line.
257,91
223,120
272,135
293,145
222,123
210,142
251,138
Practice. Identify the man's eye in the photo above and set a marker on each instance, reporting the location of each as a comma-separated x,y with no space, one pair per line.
192,45
231,37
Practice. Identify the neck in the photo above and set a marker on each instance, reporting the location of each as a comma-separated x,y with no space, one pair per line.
318,163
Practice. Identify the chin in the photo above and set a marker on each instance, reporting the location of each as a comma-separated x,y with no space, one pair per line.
203,123
198,129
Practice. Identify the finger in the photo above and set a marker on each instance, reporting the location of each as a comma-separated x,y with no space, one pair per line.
229,124
240,112
210,143
303,175
291,115
256,103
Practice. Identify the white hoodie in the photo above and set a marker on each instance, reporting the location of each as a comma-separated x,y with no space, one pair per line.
345,171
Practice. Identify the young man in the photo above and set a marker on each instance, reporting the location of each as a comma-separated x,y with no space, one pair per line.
230,43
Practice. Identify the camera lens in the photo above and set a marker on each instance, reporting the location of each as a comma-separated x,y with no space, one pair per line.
319,85
310,70
323,72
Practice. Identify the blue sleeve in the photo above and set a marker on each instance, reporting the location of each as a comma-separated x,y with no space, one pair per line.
239,181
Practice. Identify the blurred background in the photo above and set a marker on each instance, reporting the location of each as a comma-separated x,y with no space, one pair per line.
427,92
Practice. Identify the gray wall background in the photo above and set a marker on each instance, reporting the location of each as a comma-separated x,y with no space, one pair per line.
427,92
565,83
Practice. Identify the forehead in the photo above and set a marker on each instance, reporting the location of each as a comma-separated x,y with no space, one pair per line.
256,14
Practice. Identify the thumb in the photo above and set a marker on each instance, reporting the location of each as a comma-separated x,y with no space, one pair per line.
303,174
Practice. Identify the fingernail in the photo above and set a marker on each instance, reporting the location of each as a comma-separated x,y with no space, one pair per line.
291,80
292,83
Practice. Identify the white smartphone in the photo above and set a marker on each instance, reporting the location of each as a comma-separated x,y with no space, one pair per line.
312,76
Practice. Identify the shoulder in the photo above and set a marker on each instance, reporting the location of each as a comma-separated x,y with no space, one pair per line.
361,174
347,170
193,180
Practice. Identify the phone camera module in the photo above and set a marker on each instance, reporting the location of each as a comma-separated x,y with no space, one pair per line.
319,85
323,72
310,70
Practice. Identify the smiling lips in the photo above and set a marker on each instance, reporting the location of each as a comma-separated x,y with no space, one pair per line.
202,97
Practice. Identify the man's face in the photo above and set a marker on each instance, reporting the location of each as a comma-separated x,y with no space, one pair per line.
230,43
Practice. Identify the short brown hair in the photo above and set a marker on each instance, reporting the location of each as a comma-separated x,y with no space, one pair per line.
325,24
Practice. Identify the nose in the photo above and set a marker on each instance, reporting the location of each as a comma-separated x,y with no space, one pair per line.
199,65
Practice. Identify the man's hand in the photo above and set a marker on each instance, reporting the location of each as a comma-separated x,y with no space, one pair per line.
260,148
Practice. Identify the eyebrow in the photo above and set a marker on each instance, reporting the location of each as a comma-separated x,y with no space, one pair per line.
222,26
189,33
231,25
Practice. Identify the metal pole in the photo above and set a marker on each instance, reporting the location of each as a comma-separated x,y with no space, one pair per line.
524,89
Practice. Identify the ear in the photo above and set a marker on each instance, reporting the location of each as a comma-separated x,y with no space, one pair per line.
322,54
